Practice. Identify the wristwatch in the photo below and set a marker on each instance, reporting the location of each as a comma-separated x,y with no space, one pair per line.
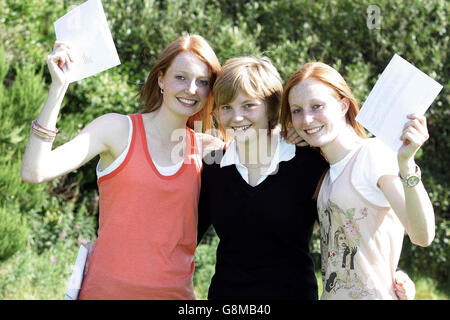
412,180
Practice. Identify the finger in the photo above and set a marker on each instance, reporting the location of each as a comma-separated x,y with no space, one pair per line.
59,44
400,288
292,134
419,117
69,54
412,135
63,60
418,125
56,58
401,296
67,61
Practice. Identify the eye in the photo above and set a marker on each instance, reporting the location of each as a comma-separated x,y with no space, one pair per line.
203,83
296,110
317,107
225,108
179,77
248,105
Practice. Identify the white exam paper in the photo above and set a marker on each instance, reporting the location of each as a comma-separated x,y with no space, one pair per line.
77,275
86,30
402,89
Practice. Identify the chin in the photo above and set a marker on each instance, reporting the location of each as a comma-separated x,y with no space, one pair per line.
190,112
315,142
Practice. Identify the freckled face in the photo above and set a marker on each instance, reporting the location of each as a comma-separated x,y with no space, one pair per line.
245,115
317,115
185,84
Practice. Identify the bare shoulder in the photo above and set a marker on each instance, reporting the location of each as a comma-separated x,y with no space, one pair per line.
112,130
115,120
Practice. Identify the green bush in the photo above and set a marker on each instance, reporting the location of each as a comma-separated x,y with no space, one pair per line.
205,262
13,231
432,261
289,32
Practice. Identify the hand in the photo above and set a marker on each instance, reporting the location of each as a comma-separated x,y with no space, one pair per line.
60,57
414,135
403,286
90,247
293,137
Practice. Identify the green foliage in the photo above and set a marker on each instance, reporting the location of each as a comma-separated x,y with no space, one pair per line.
61,214
30,275
13,231
205,262
58,220
437,255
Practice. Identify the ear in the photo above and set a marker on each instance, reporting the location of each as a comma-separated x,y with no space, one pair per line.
160,80
345,104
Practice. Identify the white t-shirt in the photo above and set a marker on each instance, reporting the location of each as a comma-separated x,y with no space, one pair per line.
374,161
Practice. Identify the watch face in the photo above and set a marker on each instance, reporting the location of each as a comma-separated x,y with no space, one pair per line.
413,181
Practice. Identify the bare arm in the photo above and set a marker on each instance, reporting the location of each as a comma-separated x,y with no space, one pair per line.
40,162
411,204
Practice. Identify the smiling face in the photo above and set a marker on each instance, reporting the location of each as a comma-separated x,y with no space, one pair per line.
245,116
185,84
318,115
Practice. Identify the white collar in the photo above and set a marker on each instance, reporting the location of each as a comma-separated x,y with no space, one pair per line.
284,152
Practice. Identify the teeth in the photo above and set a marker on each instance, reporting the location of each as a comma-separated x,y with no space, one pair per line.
191,102
241,128
311,131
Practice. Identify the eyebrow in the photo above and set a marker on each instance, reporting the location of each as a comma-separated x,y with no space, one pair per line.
184,72
310,102
251,100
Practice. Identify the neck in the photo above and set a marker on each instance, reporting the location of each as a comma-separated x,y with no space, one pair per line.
163,123
258,152
341,146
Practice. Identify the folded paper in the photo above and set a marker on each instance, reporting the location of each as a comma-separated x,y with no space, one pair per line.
402,89
86,30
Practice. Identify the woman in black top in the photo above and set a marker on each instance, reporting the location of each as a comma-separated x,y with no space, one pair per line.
257,193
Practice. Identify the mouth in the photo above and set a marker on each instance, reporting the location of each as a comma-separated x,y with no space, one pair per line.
313,131
187,102
241,128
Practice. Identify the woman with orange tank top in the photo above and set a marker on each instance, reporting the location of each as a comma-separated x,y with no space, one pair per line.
148,193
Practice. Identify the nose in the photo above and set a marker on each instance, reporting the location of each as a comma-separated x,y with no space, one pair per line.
191,88
237,115
307,117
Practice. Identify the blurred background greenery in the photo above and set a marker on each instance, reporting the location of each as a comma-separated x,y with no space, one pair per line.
42,226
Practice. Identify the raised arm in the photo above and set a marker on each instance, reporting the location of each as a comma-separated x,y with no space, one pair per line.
411,203
40,162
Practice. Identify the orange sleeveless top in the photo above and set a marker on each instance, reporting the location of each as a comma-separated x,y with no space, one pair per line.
147,227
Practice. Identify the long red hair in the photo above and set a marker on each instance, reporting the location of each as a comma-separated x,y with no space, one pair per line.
331,78
150,94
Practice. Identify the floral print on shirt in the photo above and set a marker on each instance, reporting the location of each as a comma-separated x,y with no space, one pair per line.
340,240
